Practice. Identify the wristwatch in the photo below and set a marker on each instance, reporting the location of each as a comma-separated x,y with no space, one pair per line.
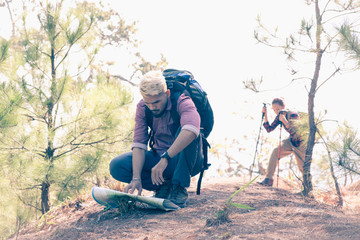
165,155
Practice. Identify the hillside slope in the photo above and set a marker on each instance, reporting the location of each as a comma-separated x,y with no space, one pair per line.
279,214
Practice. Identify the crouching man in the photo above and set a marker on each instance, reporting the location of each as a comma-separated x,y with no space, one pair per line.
176,146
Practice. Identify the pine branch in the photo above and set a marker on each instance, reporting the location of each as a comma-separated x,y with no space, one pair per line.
26,203
123,79
85,68
354,151
78,175
337,187
30,188
331,76
348,168
77,38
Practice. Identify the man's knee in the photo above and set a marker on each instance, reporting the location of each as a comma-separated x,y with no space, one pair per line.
112,166
120,165
275,153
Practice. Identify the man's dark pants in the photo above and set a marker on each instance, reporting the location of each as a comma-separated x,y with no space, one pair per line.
180,169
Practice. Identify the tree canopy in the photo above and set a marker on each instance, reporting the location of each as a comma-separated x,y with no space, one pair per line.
63,115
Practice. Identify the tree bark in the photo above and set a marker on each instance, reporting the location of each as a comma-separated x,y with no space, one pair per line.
337,187
49,152
45,202
307,181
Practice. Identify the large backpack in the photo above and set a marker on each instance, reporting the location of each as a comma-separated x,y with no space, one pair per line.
178,82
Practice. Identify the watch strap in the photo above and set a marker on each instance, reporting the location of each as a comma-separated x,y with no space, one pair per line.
166,155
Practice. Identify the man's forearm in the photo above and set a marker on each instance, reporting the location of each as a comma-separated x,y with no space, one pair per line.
138,161
184,138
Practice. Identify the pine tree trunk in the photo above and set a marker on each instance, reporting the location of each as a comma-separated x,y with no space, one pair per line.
337,187
49,152
45,200
307,183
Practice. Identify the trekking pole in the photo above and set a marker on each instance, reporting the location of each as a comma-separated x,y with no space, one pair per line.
277,182
257,142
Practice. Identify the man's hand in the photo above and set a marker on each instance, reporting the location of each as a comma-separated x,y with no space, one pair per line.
157,171
264,110
264,113
135,184
283,119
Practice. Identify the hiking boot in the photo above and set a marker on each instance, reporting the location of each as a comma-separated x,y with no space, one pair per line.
163,190
179,195
267,182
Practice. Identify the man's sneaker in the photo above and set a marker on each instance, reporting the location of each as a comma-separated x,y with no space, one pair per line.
179,195
267,182
163,190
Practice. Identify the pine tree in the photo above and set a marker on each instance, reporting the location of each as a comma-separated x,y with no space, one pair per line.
71,116
316,37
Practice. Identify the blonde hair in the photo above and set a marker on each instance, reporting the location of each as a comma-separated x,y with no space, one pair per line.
153,83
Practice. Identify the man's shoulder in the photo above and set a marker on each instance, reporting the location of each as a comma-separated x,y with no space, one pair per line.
140,109
184,99
141,104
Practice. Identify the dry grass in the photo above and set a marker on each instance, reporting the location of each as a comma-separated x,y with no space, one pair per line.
278,214
222,216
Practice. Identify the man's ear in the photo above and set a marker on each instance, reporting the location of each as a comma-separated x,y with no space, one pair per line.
168,92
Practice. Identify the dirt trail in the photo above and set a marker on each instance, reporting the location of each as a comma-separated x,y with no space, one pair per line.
279,214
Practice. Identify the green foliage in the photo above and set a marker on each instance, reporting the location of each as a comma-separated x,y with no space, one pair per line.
9,100
62,114
223,215
125,205
32,54
45,219
4,47
306,28
56,127
346,145
231,204
301,126
144,66
116,31
349,41
70,177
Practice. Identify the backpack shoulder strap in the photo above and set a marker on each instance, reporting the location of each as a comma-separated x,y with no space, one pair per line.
174,97
149,117
149,120
206,165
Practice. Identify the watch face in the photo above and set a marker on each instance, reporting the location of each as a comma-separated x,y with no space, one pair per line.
165,155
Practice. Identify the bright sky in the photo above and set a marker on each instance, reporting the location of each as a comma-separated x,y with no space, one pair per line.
214,40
